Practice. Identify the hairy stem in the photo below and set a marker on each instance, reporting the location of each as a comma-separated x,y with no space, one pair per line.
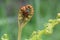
19,33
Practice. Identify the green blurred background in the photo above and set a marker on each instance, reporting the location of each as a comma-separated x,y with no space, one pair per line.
43,11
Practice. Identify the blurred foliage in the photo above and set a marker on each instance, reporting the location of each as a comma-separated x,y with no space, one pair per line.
5,37
48,30
43,11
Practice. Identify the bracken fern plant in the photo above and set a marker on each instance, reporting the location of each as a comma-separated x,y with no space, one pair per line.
25,14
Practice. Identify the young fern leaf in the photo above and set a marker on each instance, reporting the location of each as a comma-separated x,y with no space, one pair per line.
24,15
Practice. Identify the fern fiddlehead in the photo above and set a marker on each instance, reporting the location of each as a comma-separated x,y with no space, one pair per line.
24,15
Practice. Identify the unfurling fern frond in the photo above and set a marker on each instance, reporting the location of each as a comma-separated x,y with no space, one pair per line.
24,15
